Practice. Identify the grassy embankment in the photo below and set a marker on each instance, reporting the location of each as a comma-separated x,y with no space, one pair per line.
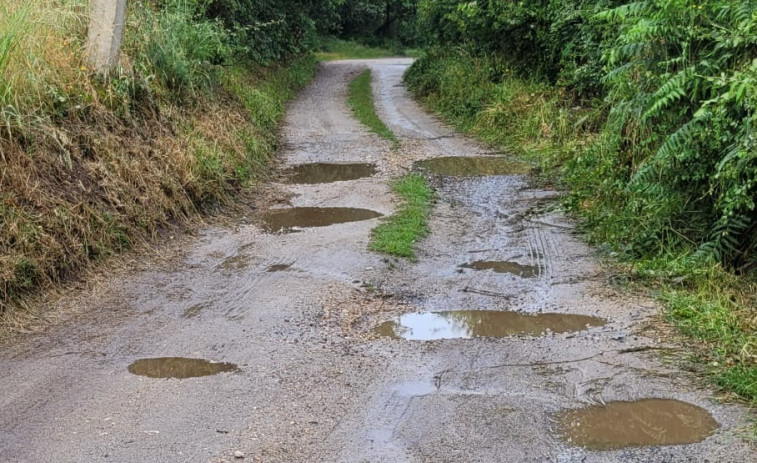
711,306
92,167
398,234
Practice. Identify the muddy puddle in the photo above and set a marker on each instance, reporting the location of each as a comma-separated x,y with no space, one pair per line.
310,174
290,220
498,266
235,263
467,324
278,268
636,424
195,310
472,166
179,368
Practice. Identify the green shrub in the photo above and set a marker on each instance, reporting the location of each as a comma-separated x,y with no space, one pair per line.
680,135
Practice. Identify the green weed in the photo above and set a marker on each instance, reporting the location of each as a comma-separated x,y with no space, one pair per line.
361,102
714,308
398,234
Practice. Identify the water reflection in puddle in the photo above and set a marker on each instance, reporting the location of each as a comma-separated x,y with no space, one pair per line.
467,324
289,220
473,166
525,271
636,424
328,173
179,368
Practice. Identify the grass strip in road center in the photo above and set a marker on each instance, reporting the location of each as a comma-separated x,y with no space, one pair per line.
361,102
398,234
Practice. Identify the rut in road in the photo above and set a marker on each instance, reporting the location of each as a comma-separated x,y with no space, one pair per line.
293,310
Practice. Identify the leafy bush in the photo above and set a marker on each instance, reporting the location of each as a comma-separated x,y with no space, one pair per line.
270,30
384,23
682,90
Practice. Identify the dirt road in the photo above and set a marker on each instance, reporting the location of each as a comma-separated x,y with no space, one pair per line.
294,313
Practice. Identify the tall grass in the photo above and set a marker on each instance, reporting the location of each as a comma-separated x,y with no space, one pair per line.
41,57
528,116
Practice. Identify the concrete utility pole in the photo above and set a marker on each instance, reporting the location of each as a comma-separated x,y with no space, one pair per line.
106,29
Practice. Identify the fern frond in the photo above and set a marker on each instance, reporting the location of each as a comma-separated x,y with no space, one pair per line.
670,92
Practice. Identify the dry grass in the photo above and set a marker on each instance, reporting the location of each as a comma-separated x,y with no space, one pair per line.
101,183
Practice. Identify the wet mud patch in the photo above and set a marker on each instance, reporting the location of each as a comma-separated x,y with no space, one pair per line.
468,324
290,220
648,422
179,368
473,166
498,266
195,310
317,173
234,263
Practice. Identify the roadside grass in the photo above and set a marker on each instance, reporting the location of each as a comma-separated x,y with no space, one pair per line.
333,49
398,234
712,307
361,102
527,117
414,52
336,49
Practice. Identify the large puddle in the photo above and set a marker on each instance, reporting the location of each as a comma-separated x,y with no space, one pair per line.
473,166
289,220
636,424
498,266
467,324
179,368
328,173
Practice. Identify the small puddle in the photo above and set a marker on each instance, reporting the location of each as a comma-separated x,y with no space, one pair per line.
525,271
473,166
278,268
195,310
636,424
179,368
311,174
467,324
235,263
289,220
